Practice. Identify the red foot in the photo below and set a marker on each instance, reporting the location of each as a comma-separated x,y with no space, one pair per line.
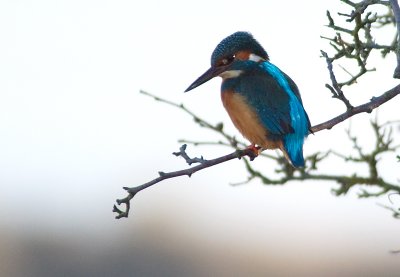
255,151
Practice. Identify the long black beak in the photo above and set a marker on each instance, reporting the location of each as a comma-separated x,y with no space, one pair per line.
212,72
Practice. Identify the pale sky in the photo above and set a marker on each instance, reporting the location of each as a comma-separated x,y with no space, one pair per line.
74,128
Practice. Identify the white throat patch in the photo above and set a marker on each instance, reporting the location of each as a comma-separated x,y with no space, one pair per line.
230,74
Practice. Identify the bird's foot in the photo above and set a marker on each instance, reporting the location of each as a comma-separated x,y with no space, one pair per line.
254,151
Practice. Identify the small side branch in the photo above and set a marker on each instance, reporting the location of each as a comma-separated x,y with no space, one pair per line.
335,88
189,161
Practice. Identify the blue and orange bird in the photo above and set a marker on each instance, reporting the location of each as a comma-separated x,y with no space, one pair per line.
262,101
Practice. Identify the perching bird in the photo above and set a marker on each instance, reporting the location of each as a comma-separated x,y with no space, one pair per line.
262,101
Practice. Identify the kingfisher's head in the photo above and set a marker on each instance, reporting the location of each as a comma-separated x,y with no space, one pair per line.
231,57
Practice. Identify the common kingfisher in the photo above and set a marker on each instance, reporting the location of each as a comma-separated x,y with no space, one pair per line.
262,101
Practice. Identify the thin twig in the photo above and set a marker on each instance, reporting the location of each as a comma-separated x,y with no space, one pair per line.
217,127
189,161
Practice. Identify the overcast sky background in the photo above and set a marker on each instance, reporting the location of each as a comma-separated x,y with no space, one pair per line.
74,129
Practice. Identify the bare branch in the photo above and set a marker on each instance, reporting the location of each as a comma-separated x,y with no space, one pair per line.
358,42
203,123
336,90
396,11
395,212
384,143
364,108
189,161
346,182
185,172
358,49
361,7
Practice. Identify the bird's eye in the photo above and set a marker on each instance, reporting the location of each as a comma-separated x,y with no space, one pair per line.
227,60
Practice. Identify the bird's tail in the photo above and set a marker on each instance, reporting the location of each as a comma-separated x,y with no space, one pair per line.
293,149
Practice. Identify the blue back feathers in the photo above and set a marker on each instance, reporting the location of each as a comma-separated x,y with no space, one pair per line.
293,142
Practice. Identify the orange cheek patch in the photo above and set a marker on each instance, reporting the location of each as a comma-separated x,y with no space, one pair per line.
243,55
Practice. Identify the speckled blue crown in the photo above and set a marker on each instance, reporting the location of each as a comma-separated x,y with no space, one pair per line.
238,41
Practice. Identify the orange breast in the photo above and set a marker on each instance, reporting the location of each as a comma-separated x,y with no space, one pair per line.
246,121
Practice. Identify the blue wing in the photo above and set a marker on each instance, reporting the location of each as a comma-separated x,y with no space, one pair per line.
276,99
292,142
265,96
